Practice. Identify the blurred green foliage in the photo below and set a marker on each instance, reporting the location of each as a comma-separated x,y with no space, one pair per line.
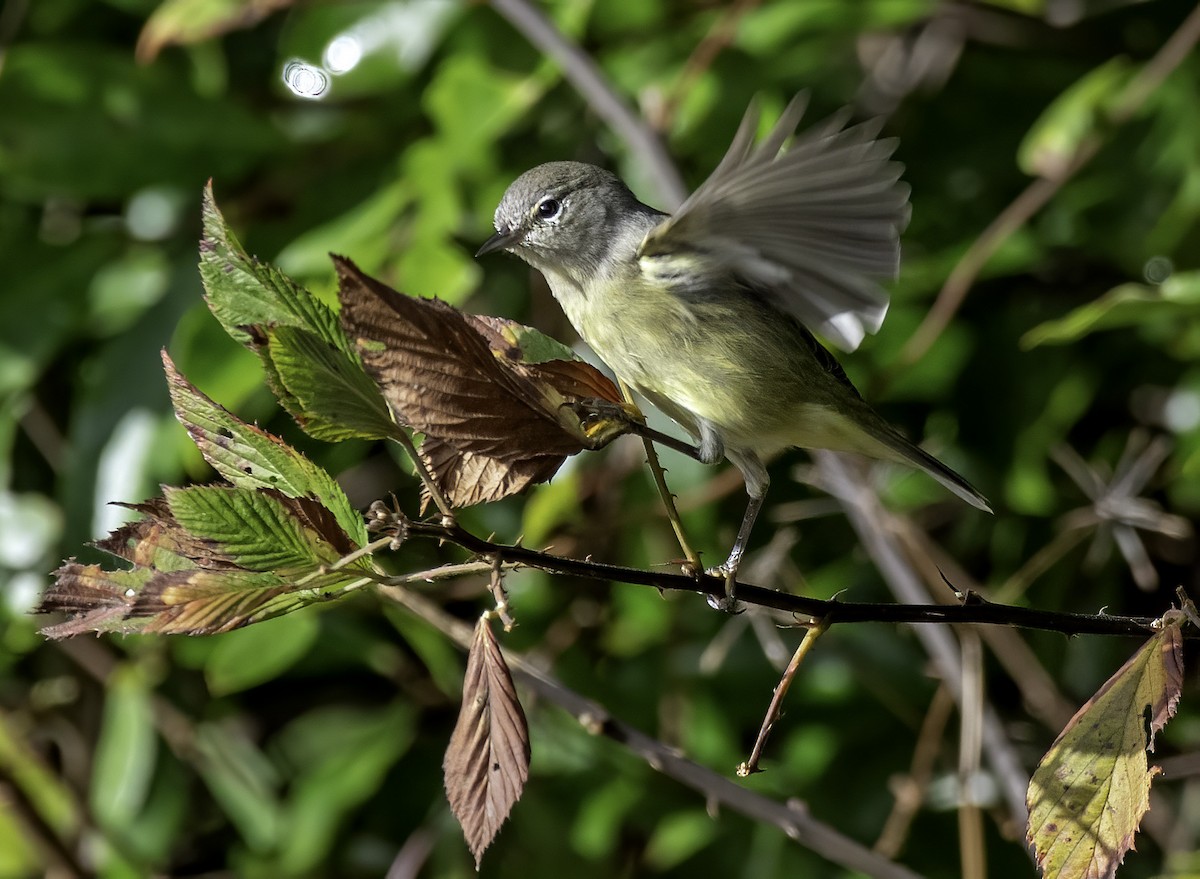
311,745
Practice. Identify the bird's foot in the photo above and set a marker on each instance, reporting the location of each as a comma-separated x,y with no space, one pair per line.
727,603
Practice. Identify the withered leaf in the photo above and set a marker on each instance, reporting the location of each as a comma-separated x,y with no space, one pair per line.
206,559
466,478
1088,794
95,600
467,382
487,761
180,22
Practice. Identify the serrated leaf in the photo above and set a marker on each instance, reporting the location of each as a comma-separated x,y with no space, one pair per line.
1178,297
313,370
249,457
246,295
94,599
1073,117
260,530
327,392
203,602
487,761
1089,793
497,423
207,559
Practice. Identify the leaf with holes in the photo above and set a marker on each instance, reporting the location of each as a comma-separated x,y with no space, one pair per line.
249,457
487,761
1089,793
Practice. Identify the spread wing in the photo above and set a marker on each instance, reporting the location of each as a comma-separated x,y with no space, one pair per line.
811,227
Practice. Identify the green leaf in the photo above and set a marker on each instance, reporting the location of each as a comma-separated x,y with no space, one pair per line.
311,367
1176,299
678,837
126,750
247,296
1088,794
1074,117
243,781
251,458
341,756
257,654
330,395
258,530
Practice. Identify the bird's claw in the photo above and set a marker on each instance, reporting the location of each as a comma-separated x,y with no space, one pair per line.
727,603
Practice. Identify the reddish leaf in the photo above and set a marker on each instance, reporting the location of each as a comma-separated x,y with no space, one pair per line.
464,381
487,761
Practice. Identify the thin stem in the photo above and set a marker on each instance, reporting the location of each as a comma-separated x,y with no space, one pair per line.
585,75
775,709
668,499
439,499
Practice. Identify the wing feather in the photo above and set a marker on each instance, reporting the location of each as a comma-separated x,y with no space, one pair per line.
811,226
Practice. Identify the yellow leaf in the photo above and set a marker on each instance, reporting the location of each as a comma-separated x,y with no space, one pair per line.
1089,793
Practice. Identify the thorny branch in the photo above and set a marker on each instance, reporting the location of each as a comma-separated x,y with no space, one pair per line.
973,609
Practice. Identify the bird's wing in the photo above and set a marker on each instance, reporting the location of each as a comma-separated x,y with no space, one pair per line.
811,227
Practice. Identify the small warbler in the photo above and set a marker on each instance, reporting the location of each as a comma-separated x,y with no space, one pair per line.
709,313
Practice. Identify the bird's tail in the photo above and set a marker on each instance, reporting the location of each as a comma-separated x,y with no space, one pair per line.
920,458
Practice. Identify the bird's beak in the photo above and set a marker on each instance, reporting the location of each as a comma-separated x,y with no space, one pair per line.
502,240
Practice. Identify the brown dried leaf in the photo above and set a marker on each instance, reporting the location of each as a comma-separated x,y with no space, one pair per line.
440,377
467,382
466,478
1089,793
96,600
487,761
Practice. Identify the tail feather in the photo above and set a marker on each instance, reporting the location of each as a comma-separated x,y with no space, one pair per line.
944,475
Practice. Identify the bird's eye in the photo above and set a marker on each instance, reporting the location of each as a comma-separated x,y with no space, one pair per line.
549,208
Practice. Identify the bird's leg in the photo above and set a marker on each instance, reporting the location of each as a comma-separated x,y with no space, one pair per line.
757,482
712,447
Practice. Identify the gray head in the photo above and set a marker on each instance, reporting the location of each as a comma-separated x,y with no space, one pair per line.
567,218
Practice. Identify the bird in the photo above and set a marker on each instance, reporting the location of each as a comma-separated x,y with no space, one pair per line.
712,313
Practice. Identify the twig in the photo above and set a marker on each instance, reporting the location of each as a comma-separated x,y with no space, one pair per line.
791,817
583,73
668,499
775,709
970,743
1040,191
439,499
718,38
498,593
910,789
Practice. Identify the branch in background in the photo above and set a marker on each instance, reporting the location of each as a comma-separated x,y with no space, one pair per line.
1040,191
583,73
790,817
868,518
